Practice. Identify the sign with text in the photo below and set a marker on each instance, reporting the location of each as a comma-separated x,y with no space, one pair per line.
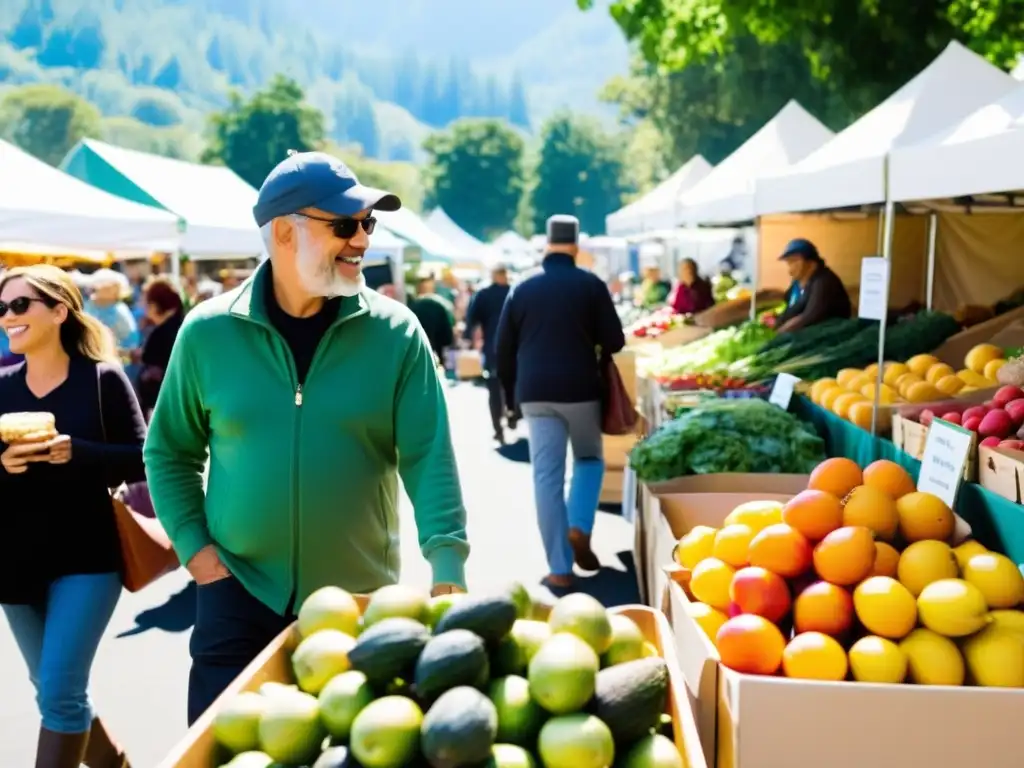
874,288
782,390
945,456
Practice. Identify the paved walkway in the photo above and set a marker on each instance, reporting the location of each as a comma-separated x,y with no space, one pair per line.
140,677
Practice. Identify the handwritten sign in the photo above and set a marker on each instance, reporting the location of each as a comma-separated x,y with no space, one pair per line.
945,455
782,390
874,288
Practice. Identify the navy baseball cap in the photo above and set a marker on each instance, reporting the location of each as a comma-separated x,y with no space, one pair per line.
317,180
801,247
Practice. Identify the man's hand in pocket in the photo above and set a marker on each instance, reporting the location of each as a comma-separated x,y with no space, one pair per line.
206,567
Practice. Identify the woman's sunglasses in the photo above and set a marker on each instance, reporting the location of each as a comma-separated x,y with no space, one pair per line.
20,305
346,228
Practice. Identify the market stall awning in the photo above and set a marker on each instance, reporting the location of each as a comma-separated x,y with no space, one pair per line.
983,153
849,170
658,209
214,203
42,205
410,227
726,195
443,224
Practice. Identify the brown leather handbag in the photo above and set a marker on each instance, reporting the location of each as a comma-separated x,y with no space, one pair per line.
618,413
146,550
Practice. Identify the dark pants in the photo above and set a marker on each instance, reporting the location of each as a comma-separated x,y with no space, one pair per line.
232,628
495,400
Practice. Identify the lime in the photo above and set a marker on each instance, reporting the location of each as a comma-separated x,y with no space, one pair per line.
519,716
509,756
344,697
585,617
237,725
627,641
329,608
290,729
576,741
320,657
386,734
563,673
396,601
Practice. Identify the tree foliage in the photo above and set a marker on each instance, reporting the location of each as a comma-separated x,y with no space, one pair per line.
47,120
475,173
253,135
579,172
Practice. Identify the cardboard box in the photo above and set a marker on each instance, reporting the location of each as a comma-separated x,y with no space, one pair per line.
748,721
199,750
616,449
468,364
1001,471
660,526
911,437
611,486
955,348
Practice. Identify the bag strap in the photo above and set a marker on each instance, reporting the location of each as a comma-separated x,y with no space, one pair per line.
99,398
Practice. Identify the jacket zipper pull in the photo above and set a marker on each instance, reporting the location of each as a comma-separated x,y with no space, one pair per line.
298,396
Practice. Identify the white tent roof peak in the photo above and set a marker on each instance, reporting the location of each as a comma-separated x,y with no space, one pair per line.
658,208
849,170
444,225
726,194
983,153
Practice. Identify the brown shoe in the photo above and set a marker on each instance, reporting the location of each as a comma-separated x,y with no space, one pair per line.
103,751
582,554
60,750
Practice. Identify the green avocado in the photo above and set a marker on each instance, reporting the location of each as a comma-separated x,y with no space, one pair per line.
630,698
388,650
453,658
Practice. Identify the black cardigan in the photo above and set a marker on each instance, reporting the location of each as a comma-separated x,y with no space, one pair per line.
57,519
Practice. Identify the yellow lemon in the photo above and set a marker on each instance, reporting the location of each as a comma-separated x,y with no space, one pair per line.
1011,620
885,607
814,656
845,376
757,515
952,607
924,562
998,578
710,581
893,371
732,543
708,619
995,658
819,388
932,659
695,546
968,549
920,364
875,659
992,369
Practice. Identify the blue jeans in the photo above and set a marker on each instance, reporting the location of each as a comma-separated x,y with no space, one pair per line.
552,427
58,639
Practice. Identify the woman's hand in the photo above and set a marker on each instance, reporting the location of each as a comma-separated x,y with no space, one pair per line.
17,457
60,450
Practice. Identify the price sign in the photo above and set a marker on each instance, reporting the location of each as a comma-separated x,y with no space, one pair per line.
874,288
782,390
945,455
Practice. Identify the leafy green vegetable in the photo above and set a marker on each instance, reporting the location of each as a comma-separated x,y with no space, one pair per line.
714,353
728,436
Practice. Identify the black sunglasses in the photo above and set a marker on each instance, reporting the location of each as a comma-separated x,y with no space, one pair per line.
21,305
346,228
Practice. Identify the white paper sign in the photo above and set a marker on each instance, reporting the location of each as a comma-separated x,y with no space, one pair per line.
782,390
874,288
945,455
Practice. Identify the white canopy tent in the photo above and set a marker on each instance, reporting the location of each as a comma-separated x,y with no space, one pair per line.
726,195
658,209
981,154
42,205
214,203
411,228
513,249
385,244
850,170
445,226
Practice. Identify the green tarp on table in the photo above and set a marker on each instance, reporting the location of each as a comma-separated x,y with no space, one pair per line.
997,523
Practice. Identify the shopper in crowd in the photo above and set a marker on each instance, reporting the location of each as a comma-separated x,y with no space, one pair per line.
60,570
311,394
106,304
817,293
554,330
484,313
693,294
654,289
165,312
436,315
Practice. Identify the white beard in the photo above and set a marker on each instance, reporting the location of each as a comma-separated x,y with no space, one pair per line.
321,278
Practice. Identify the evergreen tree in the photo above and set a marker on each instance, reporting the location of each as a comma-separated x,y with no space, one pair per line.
518,109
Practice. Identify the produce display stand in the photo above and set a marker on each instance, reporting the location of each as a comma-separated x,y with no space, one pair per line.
1001,471
199,749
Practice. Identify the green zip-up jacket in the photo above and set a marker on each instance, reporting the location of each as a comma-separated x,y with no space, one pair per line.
303,481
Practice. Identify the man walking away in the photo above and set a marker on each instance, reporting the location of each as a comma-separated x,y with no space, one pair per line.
309,393
554,329
484,313
436,315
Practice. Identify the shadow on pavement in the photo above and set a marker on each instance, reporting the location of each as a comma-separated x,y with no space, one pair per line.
610,586
519,451
176,615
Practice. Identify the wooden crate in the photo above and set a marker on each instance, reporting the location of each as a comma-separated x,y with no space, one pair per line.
199,749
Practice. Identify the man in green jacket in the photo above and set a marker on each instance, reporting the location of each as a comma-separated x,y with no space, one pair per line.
308,394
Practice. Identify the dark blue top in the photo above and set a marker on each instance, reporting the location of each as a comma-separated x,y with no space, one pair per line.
485,311
550,331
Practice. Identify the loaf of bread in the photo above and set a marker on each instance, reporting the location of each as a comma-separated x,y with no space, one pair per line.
27,427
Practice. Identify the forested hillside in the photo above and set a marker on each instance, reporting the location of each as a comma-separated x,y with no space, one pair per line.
384,75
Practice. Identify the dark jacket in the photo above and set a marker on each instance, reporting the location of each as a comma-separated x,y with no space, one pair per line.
485,311
691,299
436,320
549,332
823,298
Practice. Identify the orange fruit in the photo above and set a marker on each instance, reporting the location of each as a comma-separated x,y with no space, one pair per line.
874,509
755,590
887,560
924,516
846,556
709,582
814,656
860,414
781,549
842,404
890,477
837,476
814,513
750,643
823,607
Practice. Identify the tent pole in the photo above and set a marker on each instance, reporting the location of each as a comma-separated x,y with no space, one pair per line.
882,221
755,276
889,218
933,229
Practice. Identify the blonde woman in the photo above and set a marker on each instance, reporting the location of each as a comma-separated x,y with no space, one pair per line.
60,558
